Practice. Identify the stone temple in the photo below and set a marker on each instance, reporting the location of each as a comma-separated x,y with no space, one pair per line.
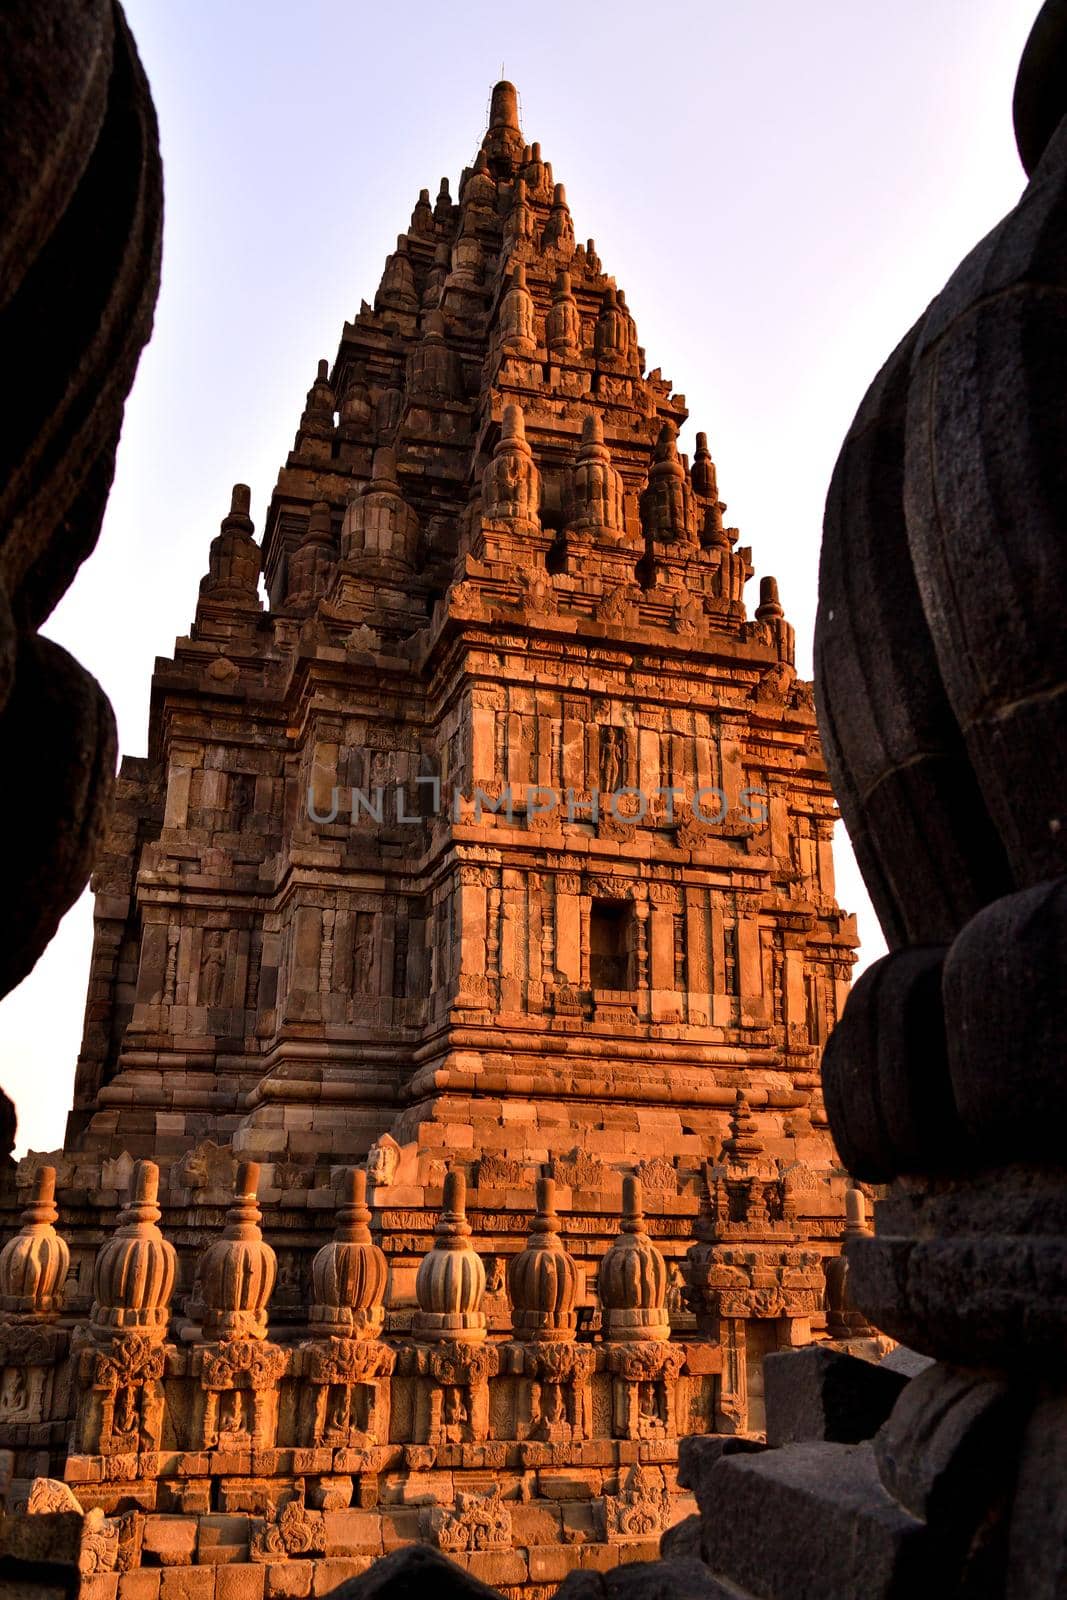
448,1139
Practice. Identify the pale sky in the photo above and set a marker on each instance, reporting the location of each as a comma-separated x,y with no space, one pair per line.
779,187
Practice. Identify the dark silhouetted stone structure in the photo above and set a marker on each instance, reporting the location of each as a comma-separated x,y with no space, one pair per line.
80,230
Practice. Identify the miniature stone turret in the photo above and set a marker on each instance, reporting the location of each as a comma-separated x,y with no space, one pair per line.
537,175
437,277
442,210
510,482
479,191
450,1282
770,611
543,1280
612,336
134,1274
34,1264
422,223
237,1272
468,263
559,229
563,325
312,563
517,315
435,370
520,225
348,1275
356,409
396,291
233,564
664,510
317,418
743,1148
704,482
379,524
598,491
632,1281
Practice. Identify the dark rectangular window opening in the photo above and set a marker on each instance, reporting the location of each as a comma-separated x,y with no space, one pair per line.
611,925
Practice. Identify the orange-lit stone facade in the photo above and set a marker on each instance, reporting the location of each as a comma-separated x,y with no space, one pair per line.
492,857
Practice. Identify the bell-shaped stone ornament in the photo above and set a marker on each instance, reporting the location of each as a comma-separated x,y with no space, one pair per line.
133,1278
543,1280
237,1271
34,1264
348,1275
450,1282
632,1280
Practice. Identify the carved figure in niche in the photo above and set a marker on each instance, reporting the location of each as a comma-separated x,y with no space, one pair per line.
212,968
242,797
652,1404
612,758
127,1417
232,1412
339,1408
15,1394
552,1407
363,953
383,1158
453,1407
494,1277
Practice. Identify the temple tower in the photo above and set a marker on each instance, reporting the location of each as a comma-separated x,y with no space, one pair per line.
497,835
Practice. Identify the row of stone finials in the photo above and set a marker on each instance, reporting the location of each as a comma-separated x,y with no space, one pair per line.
135,1271
380,526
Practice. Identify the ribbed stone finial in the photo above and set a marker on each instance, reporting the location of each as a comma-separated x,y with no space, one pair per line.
633,1277
34,1264
134,1274
543,1280
237,1272
451,1278
348,1275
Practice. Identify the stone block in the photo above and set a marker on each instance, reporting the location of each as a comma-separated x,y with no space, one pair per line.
171,1541
99,1586
288,1580
222,1538
818,1393
352,1532
240,1582
551,1563
814,1520
497,1567
142,1584
187,1583
331,1572
416,1570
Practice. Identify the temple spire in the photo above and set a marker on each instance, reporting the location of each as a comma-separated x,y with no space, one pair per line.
503,143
